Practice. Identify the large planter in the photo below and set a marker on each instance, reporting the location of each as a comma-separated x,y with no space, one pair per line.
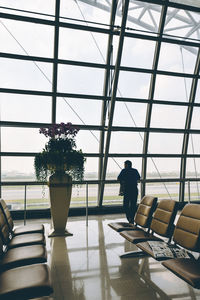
60,188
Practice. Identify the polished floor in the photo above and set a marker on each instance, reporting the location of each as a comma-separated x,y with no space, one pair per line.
87,266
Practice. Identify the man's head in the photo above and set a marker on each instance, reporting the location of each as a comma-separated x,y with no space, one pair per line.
127,164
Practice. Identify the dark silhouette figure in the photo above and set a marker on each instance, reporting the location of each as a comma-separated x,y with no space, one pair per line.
128,178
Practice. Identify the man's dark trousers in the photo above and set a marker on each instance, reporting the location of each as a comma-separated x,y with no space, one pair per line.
130,204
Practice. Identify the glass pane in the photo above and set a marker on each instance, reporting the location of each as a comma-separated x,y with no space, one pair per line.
129,114
172,88
17,168
166,116
24,108
165,143
91,168
193,167
111,195
14,196
195,124
138,53
39,6
163,167
37,197
22,140
115,165
126,142
82,80
26,38
85,11
133,84
88,141
32,75
192,191
79,195
82,45
194,144
163,190
181,60
78,111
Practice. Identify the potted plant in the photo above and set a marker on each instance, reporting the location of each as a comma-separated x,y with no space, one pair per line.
61,163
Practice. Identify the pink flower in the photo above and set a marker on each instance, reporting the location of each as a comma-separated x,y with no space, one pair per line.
56,130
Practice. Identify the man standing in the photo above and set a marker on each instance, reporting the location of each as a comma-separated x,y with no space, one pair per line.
128,178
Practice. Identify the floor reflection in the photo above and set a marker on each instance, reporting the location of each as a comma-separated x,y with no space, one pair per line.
87,266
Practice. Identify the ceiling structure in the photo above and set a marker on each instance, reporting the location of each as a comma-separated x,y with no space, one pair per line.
128,73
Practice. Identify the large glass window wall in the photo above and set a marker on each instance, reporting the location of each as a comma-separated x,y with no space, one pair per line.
130,82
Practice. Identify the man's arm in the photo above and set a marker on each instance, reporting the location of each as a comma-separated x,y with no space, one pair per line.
121,175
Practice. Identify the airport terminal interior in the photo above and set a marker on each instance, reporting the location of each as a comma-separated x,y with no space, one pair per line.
120,79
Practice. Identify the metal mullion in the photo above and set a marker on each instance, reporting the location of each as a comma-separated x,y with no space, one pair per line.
26,19
153,155
105,93
85,28
151,96
82,64
52,23
158,72
25,92
187,128
99,127
55,64
113,96
155,129
38,125
161,102
32,154
80,96
26,57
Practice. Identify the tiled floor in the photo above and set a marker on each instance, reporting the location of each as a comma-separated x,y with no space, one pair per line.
87,266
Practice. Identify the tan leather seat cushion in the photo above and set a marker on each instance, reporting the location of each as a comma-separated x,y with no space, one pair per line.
27,239
145,211
22,256
187,228
164,217
7,213
31,228
137,236
142,215
21,283
120,226
186,268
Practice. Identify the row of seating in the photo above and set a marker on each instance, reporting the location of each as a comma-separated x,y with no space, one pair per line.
155,222
24,273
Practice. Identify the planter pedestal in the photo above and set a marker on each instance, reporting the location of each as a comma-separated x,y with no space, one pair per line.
60,188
